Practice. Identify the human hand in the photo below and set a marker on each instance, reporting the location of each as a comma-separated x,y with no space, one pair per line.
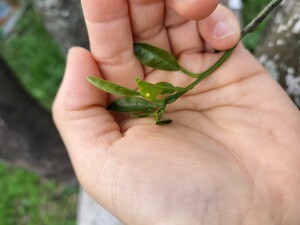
231,154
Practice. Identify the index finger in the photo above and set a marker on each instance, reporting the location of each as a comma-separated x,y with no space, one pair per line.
110,35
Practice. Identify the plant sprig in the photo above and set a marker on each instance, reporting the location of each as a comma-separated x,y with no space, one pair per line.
152,99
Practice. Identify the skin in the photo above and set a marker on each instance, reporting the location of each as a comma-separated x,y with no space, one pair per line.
232,154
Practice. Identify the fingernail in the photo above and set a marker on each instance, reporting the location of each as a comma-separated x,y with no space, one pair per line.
223,29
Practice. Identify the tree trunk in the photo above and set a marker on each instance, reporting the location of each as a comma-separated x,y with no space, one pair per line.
279,50
28,136
64,20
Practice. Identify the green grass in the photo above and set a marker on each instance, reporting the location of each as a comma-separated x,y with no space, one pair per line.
27,200
35,58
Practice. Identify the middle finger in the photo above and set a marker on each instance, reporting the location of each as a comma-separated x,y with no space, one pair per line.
148,22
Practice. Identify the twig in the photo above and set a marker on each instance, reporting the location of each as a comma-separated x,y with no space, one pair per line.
260,17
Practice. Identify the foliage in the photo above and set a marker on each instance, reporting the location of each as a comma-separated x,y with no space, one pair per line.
147,100
152,99
27,200
35,58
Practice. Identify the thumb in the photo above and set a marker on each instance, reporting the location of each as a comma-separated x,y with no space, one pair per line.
193,9
221,30
79,112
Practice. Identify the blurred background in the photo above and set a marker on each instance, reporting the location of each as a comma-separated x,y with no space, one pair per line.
37,183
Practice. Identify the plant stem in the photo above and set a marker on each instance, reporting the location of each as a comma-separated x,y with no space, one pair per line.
260,17
201,76
190,74
247,29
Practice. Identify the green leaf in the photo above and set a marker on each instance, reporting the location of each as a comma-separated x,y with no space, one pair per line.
112,88
163,122
133,105
148,90
155,57
166,87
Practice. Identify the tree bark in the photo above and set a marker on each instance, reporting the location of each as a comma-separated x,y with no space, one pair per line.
64,20
279,50
28,136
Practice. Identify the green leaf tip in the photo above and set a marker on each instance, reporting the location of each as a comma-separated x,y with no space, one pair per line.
112,88
163,122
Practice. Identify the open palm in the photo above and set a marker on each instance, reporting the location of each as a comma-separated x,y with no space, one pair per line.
231,154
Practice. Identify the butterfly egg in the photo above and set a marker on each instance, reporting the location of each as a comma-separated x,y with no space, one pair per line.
147,94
